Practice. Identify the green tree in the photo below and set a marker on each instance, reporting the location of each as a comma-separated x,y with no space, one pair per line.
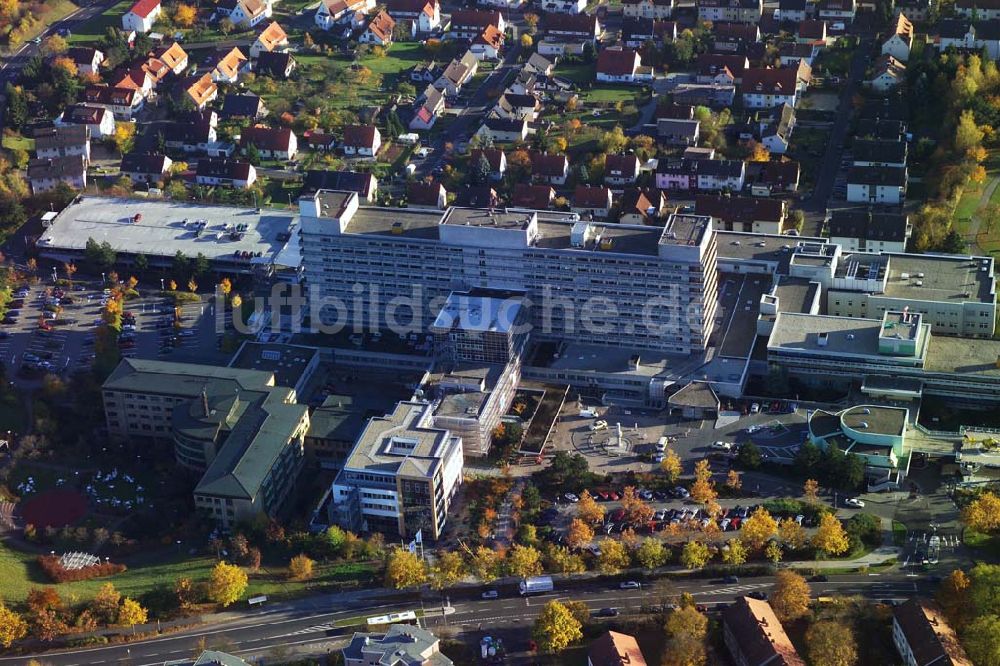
613,558
749,456
651,553
735,553
695,555
982,640
17,107
556,628
524,561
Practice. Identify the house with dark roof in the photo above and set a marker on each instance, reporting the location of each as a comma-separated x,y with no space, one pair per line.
550,169
365,184
226,172
790,53
754,636
673,132
643,205
881,128
730,11
700,174
47,174
793,11
516,106
503,130
477,196
535,197
721,68
648,9
362,141
621,169
877,185
145,167
811,31
496,158
573,28
761,215
402,645
571,7
87,60
591,202
124,103
734,37
767,178
275,65
425,14
243,105
923,636
141,16
196,133
97,119
636,32
869,230
426,195
842,11
277,143
470,23
767,87
985,10
62,140
614,649
879,152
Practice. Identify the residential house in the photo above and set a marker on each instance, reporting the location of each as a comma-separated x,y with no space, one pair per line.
700,174
196,133
811,31
667,108
776,129
538,64
621,169
249,13
275,65
842,11
362,141
791,53
401,645
649,9
869,230
794,11
124,103
331,12
573,28
246,105
550,169
514,106
735,37
365,184
487,45
477,196
982,10
427,109
721,68
564,6
591,202
877,185
202,91
426,195
135,78
879,152
760,215
86,59
141,16
60,141
502,130
458,72
496,158
426,72
174,57
614,649
677,132
272,39
916,10
766,87
379,30
534,197
470,23
881,128
637,32
426,14
767,178
229,66
322,142
226,172
618,64
699,153
98,120
643,205
47,174
712,95
923,636
900,42
754,636
732,11
148,168
887,74
276,143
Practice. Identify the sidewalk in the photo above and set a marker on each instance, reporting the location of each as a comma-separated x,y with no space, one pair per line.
884,552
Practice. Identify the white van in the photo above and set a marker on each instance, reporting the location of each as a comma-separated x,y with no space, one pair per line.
588,413
661,445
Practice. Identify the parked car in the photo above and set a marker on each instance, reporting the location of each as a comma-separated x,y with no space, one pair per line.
855,502
722,446
490,594
607,612
571,498
730,580
629,585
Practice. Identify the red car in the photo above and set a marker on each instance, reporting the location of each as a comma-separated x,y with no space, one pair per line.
603,496
613,496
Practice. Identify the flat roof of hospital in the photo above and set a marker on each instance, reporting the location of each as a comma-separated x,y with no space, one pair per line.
943,278
845,335
166,227
771,248
877,419
963,356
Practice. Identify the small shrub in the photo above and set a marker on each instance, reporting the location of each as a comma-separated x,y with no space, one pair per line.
54,569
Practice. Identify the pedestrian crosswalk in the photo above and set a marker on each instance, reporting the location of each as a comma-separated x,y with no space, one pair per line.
732,590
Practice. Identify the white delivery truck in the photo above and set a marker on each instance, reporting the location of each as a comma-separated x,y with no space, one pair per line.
536,585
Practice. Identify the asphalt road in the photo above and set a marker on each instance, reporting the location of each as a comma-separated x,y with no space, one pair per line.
311,622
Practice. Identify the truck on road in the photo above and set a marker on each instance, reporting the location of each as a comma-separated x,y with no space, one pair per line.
536,585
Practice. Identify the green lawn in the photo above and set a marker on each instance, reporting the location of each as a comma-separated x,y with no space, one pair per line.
609,94
576,72
400,57
13,142
19,572
985,544
93,29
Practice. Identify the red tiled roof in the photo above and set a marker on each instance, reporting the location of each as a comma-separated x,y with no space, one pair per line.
617,61
381,25
770,81
143,8
544,164
615,649
624,166
267,138
591,197
532,196
359,135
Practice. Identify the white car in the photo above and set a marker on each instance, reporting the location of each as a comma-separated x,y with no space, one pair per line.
571,498
661,444
599,425
629,585
855,502
722,446
754,408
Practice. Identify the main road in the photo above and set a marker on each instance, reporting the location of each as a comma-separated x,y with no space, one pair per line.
313,620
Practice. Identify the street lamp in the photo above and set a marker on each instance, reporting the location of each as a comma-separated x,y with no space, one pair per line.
103,279
161,284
